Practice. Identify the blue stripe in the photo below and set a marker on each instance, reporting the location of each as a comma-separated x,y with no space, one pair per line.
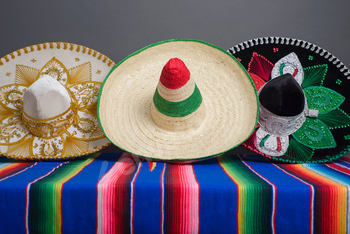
285,198
218,198
147,198
79,206
13,197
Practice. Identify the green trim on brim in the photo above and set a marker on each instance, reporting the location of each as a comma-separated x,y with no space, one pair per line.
176,40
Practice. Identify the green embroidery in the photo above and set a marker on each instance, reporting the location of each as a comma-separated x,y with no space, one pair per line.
314,134
314,76
335,119
262,143
311,57
323,99
178,109
347,137
299,151
338,82
281,68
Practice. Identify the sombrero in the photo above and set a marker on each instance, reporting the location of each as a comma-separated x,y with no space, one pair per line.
48,101
178,100
304,100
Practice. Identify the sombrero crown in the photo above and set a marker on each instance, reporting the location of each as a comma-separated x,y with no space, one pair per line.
178,100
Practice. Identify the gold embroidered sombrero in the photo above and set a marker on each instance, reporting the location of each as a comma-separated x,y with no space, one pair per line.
178,100
48,101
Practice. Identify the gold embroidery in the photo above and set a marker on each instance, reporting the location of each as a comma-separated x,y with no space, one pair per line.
98,72
56,70
8,74
77,59
59,137
75,146
7,130
49,128
14,97
50,151
21,149
79,74
50,72
90,92
26,75
86,125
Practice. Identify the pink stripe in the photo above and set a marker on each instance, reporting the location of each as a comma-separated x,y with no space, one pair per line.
109,198
182,210
162,189
274,200
189,201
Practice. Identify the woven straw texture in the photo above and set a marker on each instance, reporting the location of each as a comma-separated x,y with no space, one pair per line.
229,98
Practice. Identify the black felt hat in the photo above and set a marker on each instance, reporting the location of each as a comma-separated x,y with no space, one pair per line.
304,100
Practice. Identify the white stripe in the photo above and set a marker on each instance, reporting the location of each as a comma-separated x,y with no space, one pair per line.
18,172
132,198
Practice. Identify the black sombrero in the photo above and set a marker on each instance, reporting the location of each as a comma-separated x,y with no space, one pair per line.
304,100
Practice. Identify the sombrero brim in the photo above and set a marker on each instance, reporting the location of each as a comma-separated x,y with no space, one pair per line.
81,70
228,94
323,73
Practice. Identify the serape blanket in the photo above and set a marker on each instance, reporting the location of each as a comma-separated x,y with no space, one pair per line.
120,193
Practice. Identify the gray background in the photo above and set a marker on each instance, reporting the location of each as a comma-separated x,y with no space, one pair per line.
119,28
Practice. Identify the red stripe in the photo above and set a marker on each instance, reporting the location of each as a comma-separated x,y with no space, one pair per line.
339,168
295,72
181,200
279,145
113,192
325,203
13,168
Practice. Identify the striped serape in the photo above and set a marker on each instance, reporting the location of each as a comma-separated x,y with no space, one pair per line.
120,193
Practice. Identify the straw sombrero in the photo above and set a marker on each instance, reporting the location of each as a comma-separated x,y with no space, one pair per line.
178,100
48,101
304,100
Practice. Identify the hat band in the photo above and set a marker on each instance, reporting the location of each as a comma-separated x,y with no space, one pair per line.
280,125
48,128
178,109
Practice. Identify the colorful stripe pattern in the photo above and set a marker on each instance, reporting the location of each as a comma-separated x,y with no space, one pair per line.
11,169
44,197
114,193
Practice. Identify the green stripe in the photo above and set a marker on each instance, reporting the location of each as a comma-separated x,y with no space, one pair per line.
45,197
178,109
254,196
